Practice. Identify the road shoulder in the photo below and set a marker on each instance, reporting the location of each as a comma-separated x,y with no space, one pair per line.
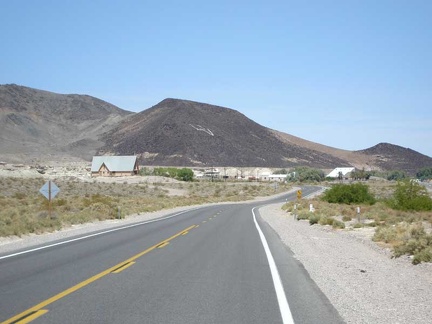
359,278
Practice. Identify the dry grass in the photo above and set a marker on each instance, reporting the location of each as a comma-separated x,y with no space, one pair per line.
24,210
406,232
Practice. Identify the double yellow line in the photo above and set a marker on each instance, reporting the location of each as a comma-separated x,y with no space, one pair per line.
36,311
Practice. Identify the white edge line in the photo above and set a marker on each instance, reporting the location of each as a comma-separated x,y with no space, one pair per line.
95,234
277,282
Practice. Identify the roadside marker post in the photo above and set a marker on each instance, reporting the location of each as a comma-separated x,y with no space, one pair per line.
311,208
358,214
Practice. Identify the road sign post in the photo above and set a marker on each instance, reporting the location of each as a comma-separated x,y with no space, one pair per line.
299,194
49,190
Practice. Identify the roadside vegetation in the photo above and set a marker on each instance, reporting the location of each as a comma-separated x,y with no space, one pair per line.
183,174
24,210
305,174
401,214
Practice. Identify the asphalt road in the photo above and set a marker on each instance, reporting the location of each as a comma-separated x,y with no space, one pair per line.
207,265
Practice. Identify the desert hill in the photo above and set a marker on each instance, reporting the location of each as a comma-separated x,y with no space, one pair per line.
393,157
185,132
36,124
41,125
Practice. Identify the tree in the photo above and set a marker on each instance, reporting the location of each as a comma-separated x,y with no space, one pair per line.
185,174
307,174
396,175
424,174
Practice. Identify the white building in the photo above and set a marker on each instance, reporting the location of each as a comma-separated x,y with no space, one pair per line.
335,172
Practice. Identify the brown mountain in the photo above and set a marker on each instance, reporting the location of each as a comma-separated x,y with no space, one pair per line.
37,124
393,157
182,132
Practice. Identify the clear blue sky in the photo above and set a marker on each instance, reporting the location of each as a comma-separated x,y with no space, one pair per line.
348,74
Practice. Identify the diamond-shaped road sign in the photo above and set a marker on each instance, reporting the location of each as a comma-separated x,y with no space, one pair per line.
45,190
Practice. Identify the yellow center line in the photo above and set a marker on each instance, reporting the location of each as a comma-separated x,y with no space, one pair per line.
38,308
123,267
163,244
31,317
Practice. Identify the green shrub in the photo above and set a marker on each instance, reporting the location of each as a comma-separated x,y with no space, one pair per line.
410,195
349,194
183,174
303,214
423,256
407,239
303,174
385,234
396,175
424,174
314,219
326,220
338,224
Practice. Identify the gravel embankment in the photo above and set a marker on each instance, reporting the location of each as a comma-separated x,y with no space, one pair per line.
359,278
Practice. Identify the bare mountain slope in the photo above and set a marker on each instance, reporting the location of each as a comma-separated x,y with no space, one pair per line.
393,157
34,123
41,125
356,159
182,132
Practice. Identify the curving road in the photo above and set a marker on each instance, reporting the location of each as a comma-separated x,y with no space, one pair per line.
218,264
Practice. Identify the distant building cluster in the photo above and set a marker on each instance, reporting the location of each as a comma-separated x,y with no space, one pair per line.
240,174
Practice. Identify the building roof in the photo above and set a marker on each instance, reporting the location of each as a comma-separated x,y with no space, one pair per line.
114,163
335,172
281,176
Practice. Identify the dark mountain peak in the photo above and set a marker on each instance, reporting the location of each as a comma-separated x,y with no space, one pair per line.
172,103
389,149
394,157
184,132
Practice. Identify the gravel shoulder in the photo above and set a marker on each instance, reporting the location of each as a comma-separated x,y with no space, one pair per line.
360,278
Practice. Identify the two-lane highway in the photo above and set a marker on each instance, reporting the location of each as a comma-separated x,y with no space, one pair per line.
205,265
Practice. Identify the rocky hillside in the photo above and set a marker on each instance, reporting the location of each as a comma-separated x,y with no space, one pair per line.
41,125
393,157
38,124
182,132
